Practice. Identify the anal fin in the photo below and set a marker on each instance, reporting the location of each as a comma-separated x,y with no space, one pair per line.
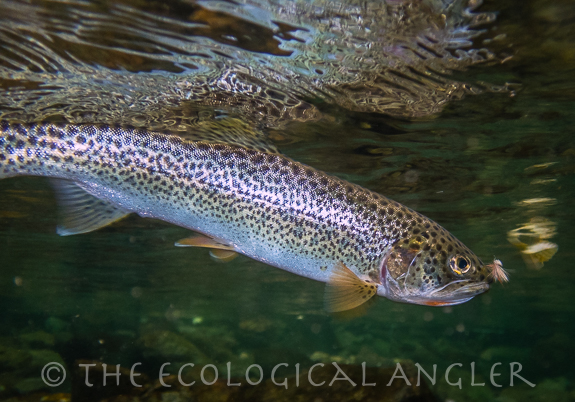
346,291
81,212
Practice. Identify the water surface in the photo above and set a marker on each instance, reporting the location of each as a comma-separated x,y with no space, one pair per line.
491,156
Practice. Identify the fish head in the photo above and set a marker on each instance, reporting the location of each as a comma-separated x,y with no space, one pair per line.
429,266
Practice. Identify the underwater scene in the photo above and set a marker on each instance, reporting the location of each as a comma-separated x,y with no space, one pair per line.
270,127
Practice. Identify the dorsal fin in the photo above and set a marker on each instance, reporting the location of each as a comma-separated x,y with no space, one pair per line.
81,212
230,130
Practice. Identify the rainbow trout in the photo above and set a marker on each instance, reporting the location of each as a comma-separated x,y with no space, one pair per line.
243,196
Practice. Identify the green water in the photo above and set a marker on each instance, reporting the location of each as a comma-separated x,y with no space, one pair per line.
124,294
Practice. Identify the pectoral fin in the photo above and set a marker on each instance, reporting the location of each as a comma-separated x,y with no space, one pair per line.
199,240
345,290
218,250
81,212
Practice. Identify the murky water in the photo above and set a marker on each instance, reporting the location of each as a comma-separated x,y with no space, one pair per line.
483,145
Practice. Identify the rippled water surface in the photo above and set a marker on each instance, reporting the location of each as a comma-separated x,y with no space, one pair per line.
393,98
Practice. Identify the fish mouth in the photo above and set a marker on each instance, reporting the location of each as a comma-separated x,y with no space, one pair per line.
456,292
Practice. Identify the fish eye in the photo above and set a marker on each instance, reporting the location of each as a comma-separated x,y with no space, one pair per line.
460,264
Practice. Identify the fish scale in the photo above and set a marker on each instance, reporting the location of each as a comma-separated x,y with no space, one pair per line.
258,202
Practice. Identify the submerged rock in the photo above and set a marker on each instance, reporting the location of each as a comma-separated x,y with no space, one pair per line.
12,358
331,382
505,354
551,389
20,368
39,339
92,381
29,385
168,345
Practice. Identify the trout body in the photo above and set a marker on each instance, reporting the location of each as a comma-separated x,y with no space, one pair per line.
255,201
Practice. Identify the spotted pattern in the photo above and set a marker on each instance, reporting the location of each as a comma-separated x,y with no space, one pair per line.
266,205
426,259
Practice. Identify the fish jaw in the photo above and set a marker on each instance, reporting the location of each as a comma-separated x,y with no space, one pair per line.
466,291
446,296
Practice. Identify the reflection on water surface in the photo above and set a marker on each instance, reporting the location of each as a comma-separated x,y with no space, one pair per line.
372,94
